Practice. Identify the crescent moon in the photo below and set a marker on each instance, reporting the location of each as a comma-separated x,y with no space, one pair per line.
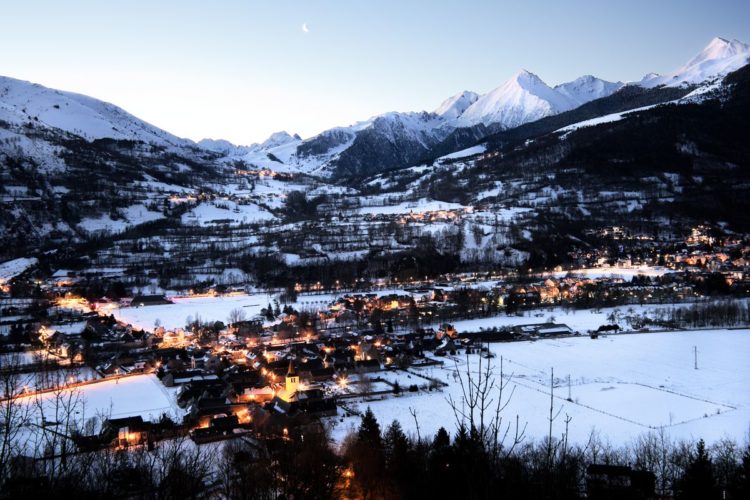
305,29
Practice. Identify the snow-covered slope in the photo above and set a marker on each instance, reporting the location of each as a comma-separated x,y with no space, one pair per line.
717,59
279,139
421,127
389,140
587,88
23,102
523,98
408,133
454,106
385,141
222,146
275,140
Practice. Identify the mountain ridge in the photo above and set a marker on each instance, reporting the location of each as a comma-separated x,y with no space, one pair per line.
382,142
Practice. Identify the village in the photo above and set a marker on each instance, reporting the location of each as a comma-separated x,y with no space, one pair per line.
238,363
106,356
282,368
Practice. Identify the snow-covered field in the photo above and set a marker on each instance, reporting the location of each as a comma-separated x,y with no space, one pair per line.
172,316
579,320
142,395
621,386
604,272
133,215
422,205
12,268
226,211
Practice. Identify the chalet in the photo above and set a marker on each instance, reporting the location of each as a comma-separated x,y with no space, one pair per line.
311,402
197,389
322,374
523,298
204,410
613,482
254,393
68,332
367,365
149,300
541,330
248,328
174,378
554,330
124,432
219,428
446,330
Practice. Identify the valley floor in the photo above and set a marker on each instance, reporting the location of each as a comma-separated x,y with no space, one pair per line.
621,386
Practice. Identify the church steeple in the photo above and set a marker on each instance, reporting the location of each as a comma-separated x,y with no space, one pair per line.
291,371
292,381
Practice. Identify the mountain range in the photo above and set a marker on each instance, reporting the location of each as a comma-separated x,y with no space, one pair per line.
72,165
403,138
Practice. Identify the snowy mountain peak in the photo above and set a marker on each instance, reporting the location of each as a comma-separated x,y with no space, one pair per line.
454,106
587,88
718,58
278,138
522,98
719,48
526,77
218,145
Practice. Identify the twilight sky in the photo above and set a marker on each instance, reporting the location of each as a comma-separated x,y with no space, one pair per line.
242,69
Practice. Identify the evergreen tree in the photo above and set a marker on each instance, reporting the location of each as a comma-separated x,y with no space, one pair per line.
369,430
741,488
698,481
440,464
367,458
396,450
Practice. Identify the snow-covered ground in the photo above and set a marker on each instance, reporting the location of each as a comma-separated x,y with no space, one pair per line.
604,272
172,316
133,215
75,113
226,211
12,268
142,395
621,386
614,117
423,205
474,150
579,320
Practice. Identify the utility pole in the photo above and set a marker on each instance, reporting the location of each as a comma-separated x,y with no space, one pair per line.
569,396
695,353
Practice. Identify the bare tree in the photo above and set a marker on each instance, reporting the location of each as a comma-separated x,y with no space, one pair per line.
551,446
56,417
236,315
484,400
364,382
13,412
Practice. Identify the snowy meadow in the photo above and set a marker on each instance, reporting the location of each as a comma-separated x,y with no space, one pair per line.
617,386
